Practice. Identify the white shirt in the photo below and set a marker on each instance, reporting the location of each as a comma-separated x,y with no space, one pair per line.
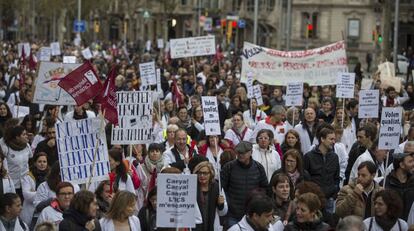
250,122
305,141
233,137
366,156
29,193
8,185
51,215
108,224
215,161
269,158
17,162
376,227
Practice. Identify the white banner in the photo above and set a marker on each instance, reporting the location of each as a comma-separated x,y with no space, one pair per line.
47,90
77,141
390,129
55,46
211,115
319,66
45,53
176,200
368,104
294,94
134,117
193,46
345,85
147,73
69,59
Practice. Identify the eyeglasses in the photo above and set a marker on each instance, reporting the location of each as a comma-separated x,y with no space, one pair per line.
263,138
203,173
66,194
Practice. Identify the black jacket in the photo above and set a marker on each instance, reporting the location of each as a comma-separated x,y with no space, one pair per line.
52,154
238,180
317,225
406,191
147,218
323,170
74,220
354,153
212,205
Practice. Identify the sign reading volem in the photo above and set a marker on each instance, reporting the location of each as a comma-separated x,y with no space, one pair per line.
211,115
390,130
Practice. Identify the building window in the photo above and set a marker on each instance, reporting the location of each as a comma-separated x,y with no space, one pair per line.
250,5
183,2
236,5
271,5
305,22
315,25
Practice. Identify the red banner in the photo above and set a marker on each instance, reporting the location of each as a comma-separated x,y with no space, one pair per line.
107,98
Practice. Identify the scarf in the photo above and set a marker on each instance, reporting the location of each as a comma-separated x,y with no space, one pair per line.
294,176
39,175
150,165
16,144
385,223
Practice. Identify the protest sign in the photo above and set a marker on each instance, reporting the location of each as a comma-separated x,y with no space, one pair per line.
147,73
82,83
45,53
387,76
211,116
368,104
249,85
77,141
148,45
159,88
318,66
86,53
176,200
294,94
55,46
69,59
390,129
46,88
193,46
257,93
345,84
160,43
134,118
19,111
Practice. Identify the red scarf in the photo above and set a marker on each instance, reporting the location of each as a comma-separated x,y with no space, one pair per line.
269,121
112,177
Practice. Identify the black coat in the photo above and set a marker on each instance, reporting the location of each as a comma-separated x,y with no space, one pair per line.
354,153
52,154
406,191
213,195
308,226
74,220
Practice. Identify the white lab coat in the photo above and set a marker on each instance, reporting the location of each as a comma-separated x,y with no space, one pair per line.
305,142
376,227
43,192
8,185
269,158
51,215
108,224
279,131
29,193
17,226
366,156
231,135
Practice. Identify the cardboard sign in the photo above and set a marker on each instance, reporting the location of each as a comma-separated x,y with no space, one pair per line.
134,118
211,116
368,104
294,94
193,46
176,200
318,66
76,142
55,46
390,129
147,73
45,53
345,85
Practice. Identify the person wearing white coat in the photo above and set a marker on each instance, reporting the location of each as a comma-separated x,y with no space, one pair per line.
263,153
253,115
6,182
307,130
374,155
239,132
10,208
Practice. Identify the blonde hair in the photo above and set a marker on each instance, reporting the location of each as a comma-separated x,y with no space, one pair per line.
120,201
208,165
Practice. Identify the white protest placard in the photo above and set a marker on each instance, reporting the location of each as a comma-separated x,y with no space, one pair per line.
159,88
390,129
19,111
160,43
193,46
77,141
147,73
69,59
148,45
55,46
134,117
176,200
249,85
368,104
45,53
211,116
318,66
345,85
257,93
294,94
86,53
26,47
46,88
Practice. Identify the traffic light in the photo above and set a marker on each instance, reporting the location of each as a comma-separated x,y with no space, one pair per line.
379,38
309,30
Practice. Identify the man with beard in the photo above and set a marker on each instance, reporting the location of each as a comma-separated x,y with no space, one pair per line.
322,163
357,198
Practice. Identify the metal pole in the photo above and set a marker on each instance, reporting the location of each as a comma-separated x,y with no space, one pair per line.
289,24
79,13
198,18
256,12
396,22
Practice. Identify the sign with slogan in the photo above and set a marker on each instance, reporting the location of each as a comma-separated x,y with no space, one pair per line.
134,118
390,130
55,46
86,53
211,115
148,73
368,104
45,53
77,142
69,59
193,46
345,84
46,88
257,93
294,94
318,66
249,85
176,200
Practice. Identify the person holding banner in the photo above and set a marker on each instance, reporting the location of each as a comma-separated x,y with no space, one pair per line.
253,115
239,131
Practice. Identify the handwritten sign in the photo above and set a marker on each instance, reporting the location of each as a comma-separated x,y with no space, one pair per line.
176,200
211,116
390,130
77,141
193,46
147,73
345,85
257,93
368,104
249,85
55,46
69,59
294,94
45,54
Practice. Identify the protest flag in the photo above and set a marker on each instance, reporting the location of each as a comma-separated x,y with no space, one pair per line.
82,83
177,95
22,69
107,98
32,61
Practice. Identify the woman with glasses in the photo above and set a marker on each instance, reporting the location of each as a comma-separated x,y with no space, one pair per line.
211,202
264,153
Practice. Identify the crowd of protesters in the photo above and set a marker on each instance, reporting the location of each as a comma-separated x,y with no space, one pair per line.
313,167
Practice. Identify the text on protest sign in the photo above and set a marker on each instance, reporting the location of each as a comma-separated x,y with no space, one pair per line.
257,93
294,94
69,59
76,144
390,129
45,54
147,73
134,118
211,115
46,88
55,46
318,66
249,85
193,46
368,104
345,85
176,199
